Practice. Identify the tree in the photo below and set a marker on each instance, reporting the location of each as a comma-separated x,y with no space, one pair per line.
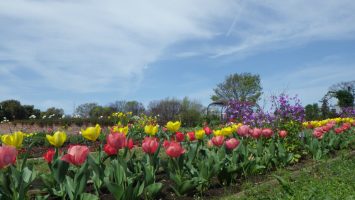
242,87
30,110
167,109
12,110
312,112
135,107
345,98
191,112
118,106
53,113
84,109
348,85
100,111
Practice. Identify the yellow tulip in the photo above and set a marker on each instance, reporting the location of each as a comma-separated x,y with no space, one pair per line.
227,131
217,132
151,129
14,139
117,129
199,134
91,133
173,126
57,139
236,126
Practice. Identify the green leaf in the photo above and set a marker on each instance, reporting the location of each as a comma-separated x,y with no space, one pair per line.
115,189
88,196
153,189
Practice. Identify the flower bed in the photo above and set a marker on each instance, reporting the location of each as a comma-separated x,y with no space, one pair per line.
148,162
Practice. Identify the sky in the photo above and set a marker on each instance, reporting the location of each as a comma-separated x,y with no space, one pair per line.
64,53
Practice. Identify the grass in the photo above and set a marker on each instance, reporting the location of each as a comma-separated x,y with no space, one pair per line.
332,179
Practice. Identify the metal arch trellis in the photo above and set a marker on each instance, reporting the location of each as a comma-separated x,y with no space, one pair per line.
221,103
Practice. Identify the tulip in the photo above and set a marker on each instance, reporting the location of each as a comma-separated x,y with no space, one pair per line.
7,156
118,129
209,143
283,134
129,144
173,126
48,156
179,136
76,155
199,134
232,143
318,133
207,130
110,150
116,140
217,132
57,139
174,150
191,135
14,139
255,132
91,133
267,132
339,130
243,130
150,145
166,143
218,140
151,129
226,131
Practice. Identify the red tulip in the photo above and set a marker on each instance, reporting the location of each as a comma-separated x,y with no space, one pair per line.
166,143
179,136
7,156
150,145
243,130
116,140
129,144
110,150
255,132
174,150
218,140
207,130
191,135
283,134
267,132
232,143
76,155
48,156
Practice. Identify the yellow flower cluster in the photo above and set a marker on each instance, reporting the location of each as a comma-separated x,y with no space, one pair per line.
228,130
320,123
120,129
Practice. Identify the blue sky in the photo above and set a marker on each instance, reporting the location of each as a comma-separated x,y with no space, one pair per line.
64,53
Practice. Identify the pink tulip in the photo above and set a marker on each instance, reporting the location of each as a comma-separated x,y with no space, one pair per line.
218,140
267,132
283,134
150,145
116,140
243,130
255,133
7,156
76,155
207,130
110,150
232,143
174,150
318,132
339,130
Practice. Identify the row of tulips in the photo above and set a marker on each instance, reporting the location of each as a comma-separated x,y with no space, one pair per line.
191,161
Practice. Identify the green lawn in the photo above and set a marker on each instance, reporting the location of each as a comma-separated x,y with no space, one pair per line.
333,179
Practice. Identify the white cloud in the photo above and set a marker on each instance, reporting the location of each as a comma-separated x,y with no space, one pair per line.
265,25
88,46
